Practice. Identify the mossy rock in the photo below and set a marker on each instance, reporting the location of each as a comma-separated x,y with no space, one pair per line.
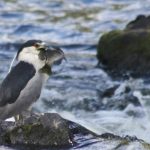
51,131
47,130
141,22
128,50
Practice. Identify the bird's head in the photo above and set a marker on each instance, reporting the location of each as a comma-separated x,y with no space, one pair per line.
53,55
37,53
29,52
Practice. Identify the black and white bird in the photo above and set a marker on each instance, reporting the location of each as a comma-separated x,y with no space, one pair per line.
23,83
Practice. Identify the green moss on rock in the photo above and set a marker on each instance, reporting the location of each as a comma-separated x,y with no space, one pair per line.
48,130
125,51
141,22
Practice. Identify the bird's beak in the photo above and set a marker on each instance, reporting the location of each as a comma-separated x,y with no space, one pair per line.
55,55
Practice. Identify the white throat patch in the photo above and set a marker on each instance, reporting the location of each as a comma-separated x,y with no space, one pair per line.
30,55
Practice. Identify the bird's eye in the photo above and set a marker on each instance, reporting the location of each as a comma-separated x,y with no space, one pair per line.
40,46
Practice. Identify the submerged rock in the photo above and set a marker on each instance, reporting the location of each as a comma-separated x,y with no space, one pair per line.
119,97
107,99
120,103
127,50
51,131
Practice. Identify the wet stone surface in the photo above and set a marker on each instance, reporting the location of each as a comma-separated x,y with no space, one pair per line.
51,130
127,51
45,130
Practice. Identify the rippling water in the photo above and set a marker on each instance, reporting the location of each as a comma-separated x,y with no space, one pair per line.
75,87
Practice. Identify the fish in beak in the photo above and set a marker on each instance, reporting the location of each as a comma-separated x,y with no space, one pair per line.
51,56
54,56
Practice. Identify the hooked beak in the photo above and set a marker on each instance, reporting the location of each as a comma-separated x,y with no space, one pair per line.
54,56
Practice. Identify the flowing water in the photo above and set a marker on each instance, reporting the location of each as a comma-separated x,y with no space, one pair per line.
75,88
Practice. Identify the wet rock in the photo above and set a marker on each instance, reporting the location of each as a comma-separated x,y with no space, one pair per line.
54,132
141,22
109,92
127,50
120,98
120,103
4,128
110,136
46,130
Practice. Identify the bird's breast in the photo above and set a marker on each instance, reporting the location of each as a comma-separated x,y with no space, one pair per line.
27,97
31,92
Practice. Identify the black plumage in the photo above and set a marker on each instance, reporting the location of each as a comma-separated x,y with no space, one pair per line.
15,82
28,44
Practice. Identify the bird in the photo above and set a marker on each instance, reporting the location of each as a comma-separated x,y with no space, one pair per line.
30,69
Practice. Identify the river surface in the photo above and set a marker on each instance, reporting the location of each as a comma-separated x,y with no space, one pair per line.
75,87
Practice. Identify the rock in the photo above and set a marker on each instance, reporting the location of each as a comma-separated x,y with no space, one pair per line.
121,96
120,103
47,130
127,50
141,22
109,92
5,126
50,131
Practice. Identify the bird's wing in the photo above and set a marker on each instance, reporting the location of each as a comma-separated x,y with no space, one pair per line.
15,82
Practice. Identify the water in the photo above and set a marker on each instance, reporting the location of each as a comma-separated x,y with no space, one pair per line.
74,89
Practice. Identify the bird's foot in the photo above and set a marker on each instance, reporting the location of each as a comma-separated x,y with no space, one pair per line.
24,117
19,119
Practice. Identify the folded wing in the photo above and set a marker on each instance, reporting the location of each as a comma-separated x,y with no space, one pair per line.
15,82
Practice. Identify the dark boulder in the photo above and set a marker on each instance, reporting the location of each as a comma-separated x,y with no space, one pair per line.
127,50
51,132
118,97
45,130
141,22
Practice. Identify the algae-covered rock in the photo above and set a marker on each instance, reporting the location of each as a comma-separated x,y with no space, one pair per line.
45,130
127,50
5,126
51,131
141,22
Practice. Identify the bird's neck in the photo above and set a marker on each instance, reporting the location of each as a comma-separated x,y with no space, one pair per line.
46,69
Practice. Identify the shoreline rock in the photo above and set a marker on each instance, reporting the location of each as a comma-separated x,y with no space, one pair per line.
44,130
128,50
51,131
